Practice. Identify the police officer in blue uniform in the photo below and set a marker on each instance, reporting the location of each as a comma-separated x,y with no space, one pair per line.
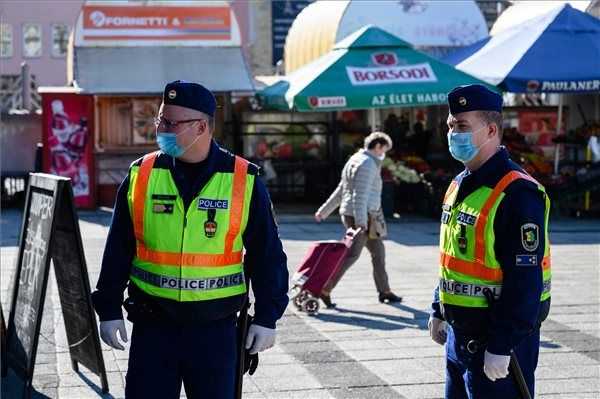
193,342
479,339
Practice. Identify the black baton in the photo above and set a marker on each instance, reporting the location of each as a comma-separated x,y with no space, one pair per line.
246,362
242,331
515,368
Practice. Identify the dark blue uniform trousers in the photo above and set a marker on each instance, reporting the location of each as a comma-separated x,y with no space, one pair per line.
465,378
162,356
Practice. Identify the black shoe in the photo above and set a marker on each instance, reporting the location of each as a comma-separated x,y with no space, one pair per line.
389,297
327,301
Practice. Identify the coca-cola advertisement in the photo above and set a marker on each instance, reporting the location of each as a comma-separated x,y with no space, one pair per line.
68,142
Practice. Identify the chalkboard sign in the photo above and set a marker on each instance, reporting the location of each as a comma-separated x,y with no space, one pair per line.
50,231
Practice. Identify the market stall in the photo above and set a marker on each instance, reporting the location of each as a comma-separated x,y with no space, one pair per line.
556,52
370,70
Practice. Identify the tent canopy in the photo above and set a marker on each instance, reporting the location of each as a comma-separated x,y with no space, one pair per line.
371,68
556,52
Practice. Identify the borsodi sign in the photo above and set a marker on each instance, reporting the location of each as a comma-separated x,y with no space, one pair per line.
417,73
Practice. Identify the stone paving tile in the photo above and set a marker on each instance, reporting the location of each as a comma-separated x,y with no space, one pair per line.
421,391
304,394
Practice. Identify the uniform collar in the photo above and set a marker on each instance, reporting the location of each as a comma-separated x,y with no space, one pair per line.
207,164
492,170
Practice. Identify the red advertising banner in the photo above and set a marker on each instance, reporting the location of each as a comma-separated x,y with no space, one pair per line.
152,23
68,141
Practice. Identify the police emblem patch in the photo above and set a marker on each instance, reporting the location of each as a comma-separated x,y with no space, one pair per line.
172,94
210,229
530,236
210,225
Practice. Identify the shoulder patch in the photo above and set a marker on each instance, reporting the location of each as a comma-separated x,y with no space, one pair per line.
530,236
526,260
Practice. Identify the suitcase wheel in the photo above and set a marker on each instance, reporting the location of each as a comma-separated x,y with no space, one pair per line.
299,298
311,306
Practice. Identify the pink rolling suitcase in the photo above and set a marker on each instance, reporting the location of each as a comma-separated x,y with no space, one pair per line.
320,264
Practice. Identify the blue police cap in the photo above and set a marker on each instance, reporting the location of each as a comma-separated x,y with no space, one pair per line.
473,98
190,95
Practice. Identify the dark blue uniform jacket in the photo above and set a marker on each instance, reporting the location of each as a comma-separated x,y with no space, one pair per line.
518,311
265,262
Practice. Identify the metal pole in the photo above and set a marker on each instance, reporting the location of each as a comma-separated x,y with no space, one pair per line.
558,129
25,86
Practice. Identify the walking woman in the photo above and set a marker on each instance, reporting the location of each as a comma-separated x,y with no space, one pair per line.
358,196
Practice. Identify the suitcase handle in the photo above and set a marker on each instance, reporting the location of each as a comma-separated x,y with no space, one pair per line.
349,236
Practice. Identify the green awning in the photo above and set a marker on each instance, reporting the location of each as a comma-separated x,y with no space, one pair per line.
371,68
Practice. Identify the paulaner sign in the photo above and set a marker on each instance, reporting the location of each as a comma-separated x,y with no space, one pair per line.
570,85
416,73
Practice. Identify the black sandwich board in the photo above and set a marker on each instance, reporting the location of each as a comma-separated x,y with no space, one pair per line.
51,231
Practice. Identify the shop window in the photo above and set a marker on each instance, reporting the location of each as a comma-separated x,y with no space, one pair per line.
293,151
127,122
278,136
60,40
143,129
32,40
6,41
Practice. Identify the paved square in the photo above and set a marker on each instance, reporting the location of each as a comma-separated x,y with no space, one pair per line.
363,349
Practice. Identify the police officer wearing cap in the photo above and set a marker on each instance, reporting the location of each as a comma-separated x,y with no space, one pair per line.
191,224
494,288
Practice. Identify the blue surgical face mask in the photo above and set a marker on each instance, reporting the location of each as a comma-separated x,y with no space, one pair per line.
167,142
461,146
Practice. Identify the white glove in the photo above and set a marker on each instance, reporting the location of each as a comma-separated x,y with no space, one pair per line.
495,367
108,333
437,330
260,338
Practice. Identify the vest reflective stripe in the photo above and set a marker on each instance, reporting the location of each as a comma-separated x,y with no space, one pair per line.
202,284
176,259
483,216
237,207
450,190
475,269
141,187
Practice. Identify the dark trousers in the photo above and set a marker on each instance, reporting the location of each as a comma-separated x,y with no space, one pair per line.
377,250
465,378
163,356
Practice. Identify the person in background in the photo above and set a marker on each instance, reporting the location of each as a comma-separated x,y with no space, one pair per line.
358,195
